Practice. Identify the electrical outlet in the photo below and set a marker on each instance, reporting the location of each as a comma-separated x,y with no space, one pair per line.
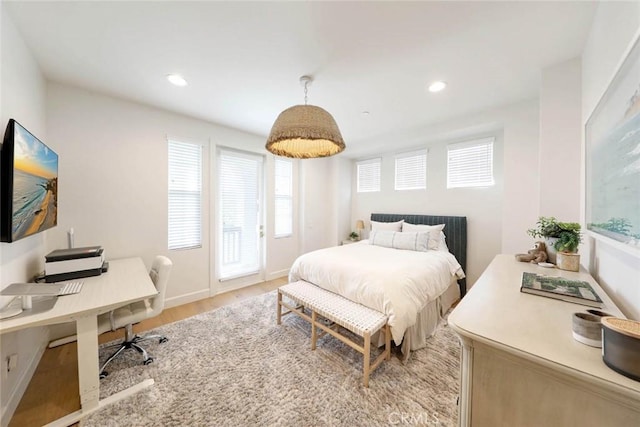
12,362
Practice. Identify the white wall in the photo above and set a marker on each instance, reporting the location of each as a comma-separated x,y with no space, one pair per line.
560,136
492,213
22,98
315,204
521,197
113,183
342,225
325,202
615,26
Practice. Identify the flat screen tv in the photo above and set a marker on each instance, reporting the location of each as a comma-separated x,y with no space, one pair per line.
28,184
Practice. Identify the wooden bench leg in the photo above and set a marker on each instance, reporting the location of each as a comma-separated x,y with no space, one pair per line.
314,331
279,307
387,340
367,358
319,328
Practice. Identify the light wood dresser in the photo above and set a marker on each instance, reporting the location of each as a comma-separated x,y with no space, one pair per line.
520,365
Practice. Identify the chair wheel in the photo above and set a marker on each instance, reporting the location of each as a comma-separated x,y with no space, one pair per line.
163,340
103,375
149,360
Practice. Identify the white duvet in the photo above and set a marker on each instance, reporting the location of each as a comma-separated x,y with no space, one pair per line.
399,283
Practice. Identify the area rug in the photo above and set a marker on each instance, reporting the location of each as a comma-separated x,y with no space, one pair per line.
235,367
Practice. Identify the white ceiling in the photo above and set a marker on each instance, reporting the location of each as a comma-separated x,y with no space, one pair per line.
243,59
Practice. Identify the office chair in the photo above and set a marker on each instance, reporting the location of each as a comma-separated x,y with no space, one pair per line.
125,317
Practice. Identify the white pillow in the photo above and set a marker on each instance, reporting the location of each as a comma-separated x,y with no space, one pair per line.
411,241
434,232
391,226
442,245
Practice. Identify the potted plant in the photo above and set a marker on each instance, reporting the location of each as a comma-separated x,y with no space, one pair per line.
547,229
562,239
354,236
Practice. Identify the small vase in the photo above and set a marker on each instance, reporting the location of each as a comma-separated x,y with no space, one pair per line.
551,250
568,261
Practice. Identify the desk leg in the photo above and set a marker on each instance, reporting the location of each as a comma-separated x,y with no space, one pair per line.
88,359
87,333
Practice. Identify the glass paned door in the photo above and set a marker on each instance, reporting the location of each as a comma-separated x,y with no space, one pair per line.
240,178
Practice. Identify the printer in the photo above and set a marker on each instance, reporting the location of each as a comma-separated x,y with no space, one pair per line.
73,263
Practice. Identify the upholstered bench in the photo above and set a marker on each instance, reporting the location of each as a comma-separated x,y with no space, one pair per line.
362,321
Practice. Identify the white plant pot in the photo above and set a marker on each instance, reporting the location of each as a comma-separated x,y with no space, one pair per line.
568,261
551,250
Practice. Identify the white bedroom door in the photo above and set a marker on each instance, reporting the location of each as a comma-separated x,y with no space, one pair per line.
240,219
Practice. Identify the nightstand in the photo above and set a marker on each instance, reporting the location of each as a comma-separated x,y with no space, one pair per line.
348,241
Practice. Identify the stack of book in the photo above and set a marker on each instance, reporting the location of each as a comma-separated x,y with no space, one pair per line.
74,263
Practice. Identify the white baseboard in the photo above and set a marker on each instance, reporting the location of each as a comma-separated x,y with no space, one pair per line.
186,298
234,286
277,274
198,295
21,386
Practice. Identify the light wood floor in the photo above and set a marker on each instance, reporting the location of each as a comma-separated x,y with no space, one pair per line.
53,390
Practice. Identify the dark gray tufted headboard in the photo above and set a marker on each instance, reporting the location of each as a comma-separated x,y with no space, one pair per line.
455,229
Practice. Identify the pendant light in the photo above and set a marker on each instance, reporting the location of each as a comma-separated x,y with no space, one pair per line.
305,131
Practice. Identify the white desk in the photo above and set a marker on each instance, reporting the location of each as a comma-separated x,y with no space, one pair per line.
126,281
520,364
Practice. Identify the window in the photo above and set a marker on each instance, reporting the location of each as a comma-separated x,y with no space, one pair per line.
470,164
283,198
411,171
240,221
368,175
185,195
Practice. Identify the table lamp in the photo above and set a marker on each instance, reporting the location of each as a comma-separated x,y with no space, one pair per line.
359,228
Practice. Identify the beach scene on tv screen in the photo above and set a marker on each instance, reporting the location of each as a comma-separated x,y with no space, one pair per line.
35,185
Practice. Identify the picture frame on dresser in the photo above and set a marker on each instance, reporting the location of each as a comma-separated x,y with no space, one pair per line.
612,155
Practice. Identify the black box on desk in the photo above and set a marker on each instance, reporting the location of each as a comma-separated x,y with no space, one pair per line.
74,263
50,278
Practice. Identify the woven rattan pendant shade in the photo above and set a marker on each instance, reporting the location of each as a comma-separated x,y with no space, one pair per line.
303,132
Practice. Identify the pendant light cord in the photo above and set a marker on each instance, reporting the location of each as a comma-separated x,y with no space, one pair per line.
305,92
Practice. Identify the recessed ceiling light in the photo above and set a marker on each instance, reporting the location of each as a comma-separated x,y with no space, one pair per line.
365,113
177,79
437,86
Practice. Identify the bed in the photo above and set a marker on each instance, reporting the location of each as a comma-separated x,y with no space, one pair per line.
413,288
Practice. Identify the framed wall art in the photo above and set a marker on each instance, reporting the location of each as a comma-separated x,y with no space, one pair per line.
612,136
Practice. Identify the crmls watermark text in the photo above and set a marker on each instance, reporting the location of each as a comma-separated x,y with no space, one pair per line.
413,418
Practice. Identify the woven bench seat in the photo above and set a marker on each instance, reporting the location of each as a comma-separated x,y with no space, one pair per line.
362,321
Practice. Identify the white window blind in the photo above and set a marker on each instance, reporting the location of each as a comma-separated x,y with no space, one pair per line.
470,164
283,211
368,172
185,195
239,177
411,171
